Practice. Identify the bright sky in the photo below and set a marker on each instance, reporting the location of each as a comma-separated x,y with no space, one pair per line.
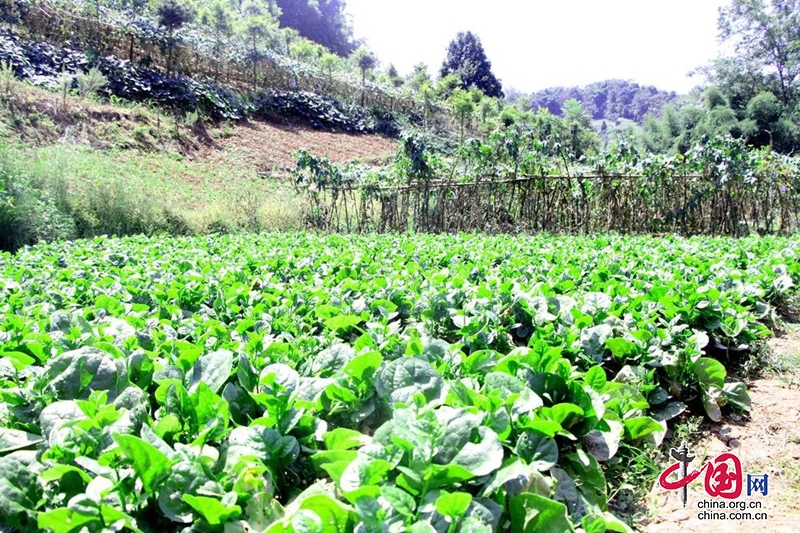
534,44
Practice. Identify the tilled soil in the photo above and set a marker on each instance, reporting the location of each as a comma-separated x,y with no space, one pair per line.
767,441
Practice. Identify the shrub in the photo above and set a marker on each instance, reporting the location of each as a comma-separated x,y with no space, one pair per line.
28,212
89,83
43,64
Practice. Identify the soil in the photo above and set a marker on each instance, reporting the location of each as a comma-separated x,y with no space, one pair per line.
40,118
268,147
767,441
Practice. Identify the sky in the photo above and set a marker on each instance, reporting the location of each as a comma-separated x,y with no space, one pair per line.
534,44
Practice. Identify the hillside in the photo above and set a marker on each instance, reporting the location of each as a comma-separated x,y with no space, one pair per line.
40,118
78,167
605,100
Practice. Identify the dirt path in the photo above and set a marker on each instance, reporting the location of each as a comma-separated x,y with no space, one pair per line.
767,442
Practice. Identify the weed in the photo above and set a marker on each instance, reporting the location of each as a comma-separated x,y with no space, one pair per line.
192,119
7,81
65,82
632,471
90,82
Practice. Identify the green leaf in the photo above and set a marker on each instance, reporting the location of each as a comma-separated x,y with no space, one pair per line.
77,373
596,378
400,500
532,512
453,504
711,402
333,462
19,494
517,478
737,395
422,527
710,372
16,439
212,510
331,360
481,458
620,347
19,360
593,523
566,414
641,426
538,450
334,515
149,463
603,445
213,369
342,322
363,366
63,520
59,471
593,341
447,475
401,379
343,439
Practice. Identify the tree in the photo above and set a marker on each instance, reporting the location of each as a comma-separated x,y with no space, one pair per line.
467,59
134,8
419,77
582,139
172,15
462,103
365,61
321,21
219,18
766,35
258,26
330,62
393,77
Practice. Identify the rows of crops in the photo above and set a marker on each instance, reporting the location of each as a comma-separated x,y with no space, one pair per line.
306,383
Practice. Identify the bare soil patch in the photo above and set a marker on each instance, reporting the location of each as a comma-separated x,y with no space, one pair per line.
767,441
269,147
38,117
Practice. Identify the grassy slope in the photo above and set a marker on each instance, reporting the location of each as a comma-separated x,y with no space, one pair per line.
110,165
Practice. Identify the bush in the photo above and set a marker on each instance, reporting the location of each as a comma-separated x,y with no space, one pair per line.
43,64
318,111
89,83
28,212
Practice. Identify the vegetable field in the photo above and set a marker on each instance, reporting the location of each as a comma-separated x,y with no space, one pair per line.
362,383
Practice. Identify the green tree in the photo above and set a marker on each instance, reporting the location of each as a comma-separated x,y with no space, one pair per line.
447,85
218,17
305,50
259,27
393,77
462,103
172,15
321,21
419,77
134,8
365,61
582,138
329,63
467,59
766,35
768,124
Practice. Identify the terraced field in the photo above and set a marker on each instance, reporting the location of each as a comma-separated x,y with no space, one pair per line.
305,383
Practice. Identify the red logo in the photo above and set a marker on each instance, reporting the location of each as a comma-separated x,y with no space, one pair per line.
723,475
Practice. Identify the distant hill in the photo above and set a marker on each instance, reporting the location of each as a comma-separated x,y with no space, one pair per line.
605,100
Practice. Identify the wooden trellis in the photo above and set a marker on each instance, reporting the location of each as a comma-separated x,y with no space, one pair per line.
686,204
